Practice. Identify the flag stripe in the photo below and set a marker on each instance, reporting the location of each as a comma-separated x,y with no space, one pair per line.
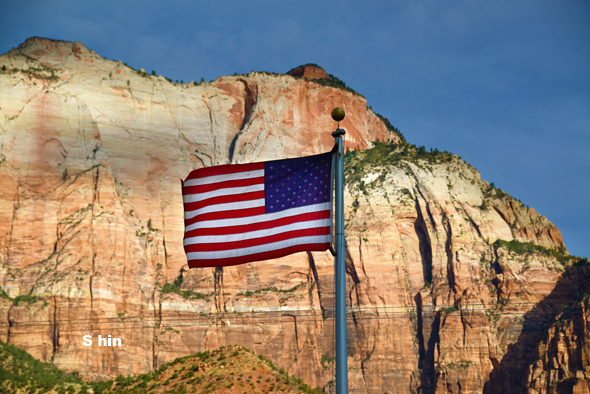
236,191
256,241
194,206
232,220
229,215
259,225
273,254
267,232
187,189
224,254
226,172
230,206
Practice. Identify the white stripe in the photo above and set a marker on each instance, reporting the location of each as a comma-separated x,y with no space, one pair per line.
230,206
259,218
211,239
225,177
222,192
225,254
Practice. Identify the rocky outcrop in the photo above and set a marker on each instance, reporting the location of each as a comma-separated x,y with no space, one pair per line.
445,273
308,71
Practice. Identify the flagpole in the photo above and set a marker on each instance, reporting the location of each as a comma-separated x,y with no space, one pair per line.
340,269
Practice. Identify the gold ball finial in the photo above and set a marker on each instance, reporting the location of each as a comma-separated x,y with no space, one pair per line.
338,114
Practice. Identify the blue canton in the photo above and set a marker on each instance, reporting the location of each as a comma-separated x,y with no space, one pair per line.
294,183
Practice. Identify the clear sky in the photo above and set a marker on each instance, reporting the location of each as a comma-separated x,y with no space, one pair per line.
504,84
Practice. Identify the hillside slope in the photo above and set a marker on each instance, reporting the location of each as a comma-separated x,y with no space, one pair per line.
224,370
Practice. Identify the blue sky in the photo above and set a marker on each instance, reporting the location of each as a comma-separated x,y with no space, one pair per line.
504,84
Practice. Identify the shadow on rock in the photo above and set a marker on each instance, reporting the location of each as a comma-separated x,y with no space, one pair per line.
511,374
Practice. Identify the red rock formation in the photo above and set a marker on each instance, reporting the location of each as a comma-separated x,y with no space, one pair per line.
91,153
308,71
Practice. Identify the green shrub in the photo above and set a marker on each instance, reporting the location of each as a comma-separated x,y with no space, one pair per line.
186,294
449,310
530,248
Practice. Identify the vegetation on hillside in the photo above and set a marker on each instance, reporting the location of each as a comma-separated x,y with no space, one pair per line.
384,155
22,299
174,288
227,369
530,249
21,373
389,126
34,68
232,368
334,82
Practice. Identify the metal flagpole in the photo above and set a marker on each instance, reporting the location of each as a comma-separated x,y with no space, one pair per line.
340,269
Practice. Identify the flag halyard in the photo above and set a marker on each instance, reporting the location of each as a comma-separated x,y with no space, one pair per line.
242,213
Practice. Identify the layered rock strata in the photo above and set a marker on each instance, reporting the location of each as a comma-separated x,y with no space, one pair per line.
445,273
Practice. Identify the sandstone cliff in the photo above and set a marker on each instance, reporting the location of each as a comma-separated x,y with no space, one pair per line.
445,273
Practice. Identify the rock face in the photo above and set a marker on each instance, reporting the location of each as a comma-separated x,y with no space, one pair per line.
459,298
446,275
562,358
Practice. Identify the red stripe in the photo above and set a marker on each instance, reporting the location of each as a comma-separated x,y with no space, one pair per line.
304,217
239,213
246,243
258,256
224,169
222,185
191,206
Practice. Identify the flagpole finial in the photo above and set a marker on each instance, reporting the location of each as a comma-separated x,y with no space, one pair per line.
338,114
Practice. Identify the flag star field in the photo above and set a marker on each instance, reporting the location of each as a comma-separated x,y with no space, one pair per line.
295,183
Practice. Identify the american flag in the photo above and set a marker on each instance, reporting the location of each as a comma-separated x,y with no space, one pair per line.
240,213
